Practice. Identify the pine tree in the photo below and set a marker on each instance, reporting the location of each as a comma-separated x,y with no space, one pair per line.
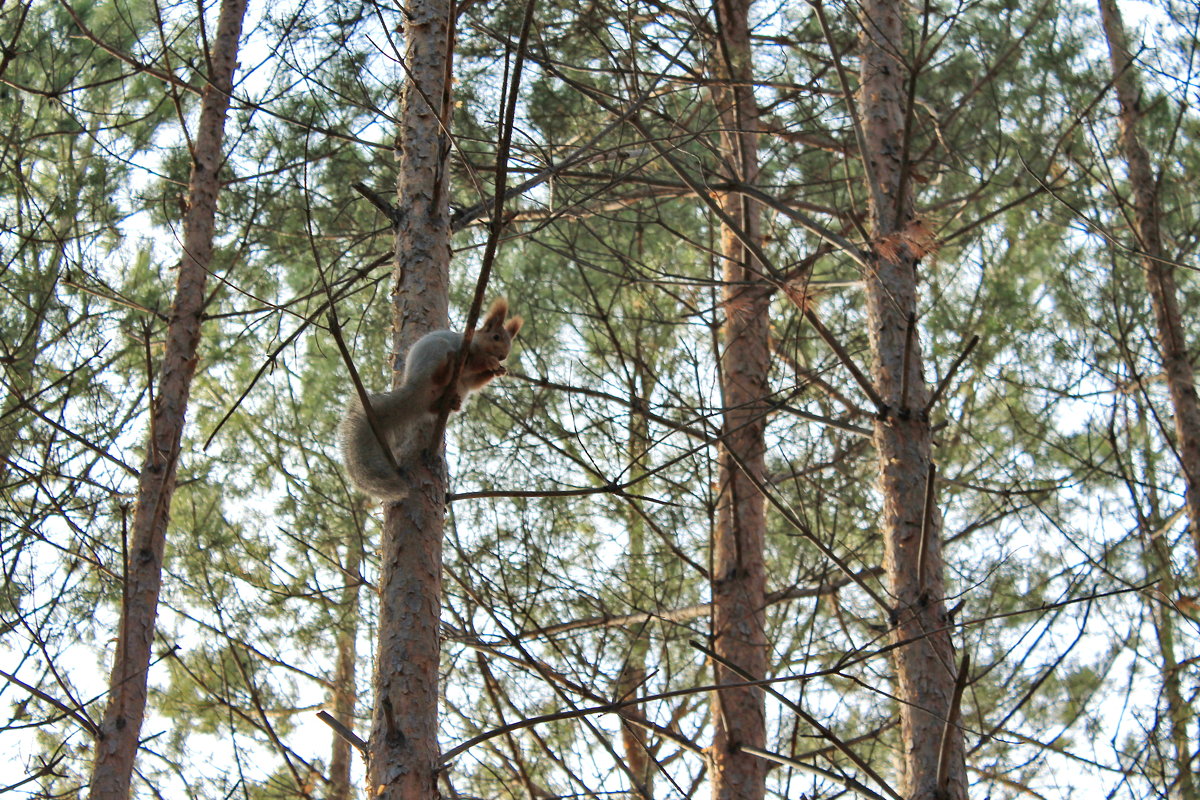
404,753
738,568
117,738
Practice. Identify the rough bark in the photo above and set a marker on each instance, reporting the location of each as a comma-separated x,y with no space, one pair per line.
117,742
738,570
404,754
925,668
1160,275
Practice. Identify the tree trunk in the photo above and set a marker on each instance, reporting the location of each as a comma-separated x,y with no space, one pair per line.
738,571
1180,782
1160,281
117,742
634,739
925,668
404,752
1160,275
345,693
1179,712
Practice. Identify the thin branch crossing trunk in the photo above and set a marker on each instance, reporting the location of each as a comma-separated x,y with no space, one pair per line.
403,754
912,528
117,743
738,569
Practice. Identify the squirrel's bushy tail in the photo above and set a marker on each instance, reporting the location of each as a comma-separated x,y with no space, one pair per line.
365,462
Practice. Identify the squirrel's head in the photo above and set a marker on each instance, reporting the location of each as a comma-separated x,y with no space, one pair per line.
497,332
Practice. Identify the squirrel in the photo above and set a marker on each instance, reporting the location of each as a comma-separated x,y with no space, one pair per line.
427,370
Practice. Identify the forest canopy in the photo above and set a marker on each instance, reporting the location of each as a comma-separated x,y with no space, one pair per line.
850,445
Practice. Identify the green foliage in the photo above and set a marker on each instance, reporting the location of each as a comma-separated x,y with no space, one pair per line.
584,482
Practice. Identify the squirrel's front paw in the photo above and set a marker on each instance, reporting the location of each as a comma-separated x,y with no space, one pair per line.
489,362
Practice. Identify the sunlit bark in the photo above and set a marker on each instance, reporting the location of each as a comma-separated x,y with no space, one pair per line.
738,570
404,751
117,742
925,666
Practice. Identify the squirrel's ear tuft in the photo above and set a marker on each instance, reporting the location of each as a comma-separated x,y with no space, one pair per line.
514,325
496,314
